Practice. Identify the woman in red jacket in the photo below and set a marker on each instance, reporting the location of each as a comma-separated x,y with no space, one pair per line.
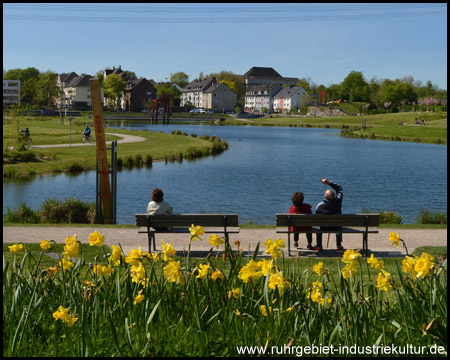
300,208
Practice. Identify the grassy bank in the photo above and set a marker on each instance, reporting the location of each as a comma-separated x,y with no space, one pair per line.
49,130
380,126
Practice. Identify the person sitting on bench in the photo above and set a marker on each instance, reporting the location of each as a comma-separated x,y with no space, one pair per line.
300,208
158,206
331,204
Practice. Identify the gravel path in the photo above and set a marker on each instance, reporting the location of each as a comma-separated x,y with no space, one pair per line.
248,238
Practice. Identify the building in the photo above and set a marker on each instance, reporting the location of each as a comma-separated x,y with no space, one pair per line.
288,98
266,76
192,93
219,98
258,97
11,91
78,93
138,93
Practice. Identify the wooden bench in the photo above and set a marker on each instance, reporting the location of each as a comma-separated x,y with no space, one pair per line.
179,223
285,221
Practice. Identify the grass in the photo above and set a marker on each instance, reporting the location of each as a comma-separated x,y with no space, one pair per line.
49,130
382,126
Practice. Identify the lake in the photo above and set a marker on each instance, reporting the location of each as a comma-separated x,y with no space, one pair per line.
260,171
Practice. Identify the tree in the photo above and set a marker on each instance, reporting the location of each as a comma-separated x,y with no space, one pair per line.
355,88
305,83
114,88
131,75
22,74
180,78
48,88
101,76
167,89
333,92
29,90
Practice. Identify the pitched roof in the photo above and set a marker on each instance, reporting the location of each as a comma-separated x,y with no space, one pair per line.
287,92
78,81
67,77
198,84
261,72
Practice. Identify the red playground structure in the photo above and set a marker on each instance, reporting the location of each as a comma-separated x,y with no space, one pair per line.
162,102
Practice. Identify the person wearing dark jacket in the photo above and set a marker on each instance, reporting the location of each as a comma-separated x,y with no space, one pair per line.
331,204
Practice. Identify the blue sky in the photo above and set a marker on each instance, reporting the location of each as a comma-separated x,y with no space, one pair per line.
323,42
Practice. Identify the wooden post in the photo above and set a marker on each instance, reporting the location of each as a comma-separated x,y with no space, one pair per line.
100,142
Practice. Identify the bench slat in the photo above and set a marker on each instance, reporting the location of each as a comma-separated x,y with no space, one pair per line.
328,220
203,220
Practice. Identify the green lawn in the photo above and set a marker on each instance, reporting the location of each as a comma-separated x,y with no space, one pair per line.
49,130
383,126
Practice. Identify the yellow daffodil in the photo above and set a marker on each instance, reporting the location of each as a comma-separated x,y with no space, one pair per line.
266,266
45,245
63,315
384,281
274,247
237,312
139,298
423,265
234,293
215,240
277,280
319,268
394,238
72,248
65,264
15,248
137,273
96,239
102,270
251,271
173,272
351,257
408,265
217,275
52,270
264,309
155,257
135,256
196,232
348,271
203,271
168,250
115,257
375,263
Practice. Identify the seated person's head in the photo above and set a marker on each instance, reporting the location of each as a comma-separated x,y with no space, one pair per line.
329,194
297,199
157,195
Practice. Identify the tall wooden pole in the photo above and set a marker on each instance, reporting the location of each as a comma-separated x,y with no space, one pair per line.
100,141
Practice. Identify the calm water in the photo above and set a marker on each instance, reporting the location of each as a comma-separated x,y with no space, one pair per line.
260,171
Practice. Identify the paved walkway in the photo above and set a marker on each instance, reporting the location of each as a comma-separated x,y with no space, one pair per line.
130,238
125,139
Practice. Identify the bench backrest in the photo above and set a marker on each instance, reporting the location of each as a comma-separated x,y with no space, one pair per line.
203,220
328,220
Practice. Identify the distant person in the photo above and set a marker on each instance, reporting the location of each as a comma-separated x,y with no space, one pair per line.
300,208
331,204
158,206
26,133
87,131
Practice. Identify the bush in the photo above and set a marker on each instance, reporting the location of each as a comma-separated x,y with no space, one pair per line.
23,215
72,210
389,217
76,167
148,160
429,217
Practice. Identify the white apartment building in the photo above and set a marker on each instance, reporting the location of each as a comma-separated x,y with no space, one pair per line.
258,97
192,93
11,91
288,98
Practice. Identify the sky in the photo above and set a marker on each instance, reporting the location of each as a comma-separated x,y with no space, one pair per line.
320,42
